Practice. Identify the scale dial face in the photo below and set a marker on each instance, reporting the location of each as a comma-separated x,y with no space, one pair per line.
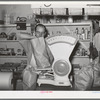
61,39
61,67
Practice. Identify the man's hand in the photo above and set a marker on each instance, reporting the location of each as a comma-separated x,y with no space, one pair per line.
28,67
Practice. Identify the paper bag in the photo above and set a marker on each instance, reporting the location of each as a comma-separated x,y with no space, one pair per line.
29,76
84,79
96,67
40,52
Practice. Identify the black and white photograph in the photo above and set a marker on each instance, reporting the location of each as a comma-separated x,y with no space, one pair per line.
50,46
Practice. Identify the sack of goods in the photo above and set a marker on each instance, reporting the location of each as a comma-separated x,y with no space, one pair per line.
84,78
29,77
88,77
96,67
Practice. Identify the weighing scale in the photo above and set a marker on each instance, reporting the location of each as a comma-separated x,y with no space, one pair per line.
61,47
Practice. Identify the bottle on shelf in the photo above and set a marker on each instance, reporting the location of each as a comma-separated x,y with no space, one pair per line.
88,36
58,33
77,33
83,52
86,33
78,52
23,53
13,52
80,36
70,19
52,33
83,34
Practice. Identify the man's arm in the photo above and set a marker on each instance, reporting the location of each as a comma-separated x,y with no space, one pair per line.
24,36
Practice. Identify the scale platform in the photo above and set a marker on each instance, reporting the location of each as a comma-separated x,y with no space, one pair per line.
51,81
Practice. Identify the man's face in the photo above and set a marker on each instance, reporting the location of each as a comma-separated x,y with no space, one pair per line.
40,32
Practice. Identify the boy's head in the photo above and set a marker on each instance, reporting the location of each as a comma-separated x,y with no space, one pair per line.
40,31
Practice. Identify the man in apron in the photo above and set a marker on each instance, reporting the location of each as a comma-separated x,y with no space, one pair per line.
25,41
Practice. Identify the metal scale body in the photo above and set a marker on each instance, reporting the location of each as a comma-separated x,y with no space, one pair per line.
61,47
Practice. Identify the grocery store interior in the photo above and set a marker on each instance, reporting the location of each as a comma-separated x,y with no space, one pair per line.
67,58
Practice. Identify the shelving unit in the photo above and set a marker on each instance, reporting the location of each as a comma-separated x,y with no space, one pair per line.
54,27
81,56
11,44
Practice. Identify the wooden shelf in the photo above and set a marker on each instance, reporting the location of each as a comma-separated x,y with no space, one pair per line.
7,25
11,25
81,56
88,40
68,24
51,24
9,41
13,56
42,15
